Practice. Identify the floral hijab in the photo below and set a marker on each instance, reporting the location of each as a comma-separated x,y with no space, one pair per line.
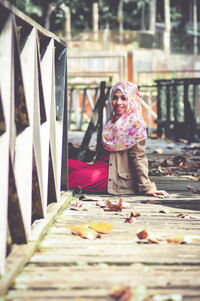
121,133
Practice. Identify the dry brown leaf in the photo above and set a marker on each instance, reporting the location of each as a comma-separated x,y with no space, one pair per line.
176,239
163,211
114,207
135,213
121,293
187,216
77,205
189,187
158,151
182,239
78,208
139,293
100,227
153,202
130,220
142,234
86,233
101,204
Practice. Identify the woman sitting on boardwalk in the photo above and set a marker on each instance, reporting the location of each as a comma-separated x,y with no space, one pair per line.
122,167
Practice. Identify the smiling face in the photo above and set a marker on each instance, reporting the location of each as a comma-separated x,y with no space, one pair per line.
119,103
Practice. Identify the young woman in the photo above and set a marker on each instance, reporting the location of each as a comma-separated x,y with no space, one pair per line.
122,167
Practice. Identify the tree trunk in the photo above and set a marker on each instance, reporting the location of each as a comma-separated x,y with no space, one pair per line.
167,26
95,20
195,27
120,18
152,15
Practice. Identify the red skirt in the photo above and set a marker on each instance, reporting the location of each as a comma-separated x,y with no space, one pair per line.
88,177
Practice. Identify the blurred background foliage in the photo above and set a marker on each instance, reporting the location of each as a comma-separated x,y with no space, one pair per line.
136,16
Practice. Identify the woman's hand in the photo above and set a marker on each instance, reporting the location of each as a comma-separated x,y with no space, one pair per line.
158,193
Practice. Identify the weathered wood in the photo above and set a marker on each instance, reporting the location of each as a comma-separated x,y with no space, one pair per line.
20,255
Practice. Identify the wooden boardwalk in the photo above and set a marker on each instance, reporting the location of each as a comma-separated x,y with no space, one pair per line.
68,267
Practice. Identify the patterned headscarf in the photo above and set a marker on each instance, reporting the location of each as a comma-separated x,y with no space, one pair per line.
127,130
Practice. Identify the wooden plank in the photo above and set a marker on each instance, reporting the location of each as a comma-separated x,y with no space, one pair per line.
6,95
21,254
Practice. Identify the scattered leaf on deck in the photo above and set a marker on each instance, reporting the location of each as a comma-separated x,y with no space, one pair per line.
78,226
153,202
183,239
142,234
85,232
78,208
130,220
114,207
158,151
187,216
139,293
121,293
179,160
172,297
100,227
101,204
135,213
91,230
163,211
77,205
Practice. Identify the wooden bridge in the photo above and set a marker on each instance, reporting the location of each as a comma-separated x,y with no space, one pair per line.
40,258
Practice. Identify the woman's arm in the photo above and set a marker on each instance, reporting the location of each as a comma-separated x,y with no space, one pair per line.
139,167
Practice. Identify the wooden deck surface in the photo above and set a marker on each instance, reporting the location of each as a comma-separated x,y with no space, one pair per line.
68,267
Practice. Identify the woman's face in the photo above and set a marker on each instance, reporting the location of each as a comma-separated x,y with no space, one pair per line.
119,102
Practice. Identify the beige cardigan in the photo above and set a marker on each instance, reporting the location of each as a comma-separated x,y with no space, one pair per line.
128,171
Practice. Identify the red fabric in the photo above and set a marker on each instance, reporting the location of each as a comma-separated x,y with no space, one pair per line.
88,177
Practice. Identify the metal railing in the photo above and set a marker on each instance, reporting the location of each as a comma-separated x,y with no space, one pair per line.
33,124
178,102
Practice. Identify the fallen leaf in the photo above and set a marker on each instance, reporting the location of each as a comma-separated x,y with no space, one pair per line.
77,205
101,204
114,207
189,187
78,226
135,213
187,216
153,202
158,151
142,234
78,208
139,293
172,297
130,220
183,239
121,293
100,227
163,211
86,233
90,230
176,240
179,160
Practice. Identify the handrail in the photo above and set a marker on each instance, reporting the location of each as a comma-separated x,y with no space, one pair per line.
178,108
33,124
